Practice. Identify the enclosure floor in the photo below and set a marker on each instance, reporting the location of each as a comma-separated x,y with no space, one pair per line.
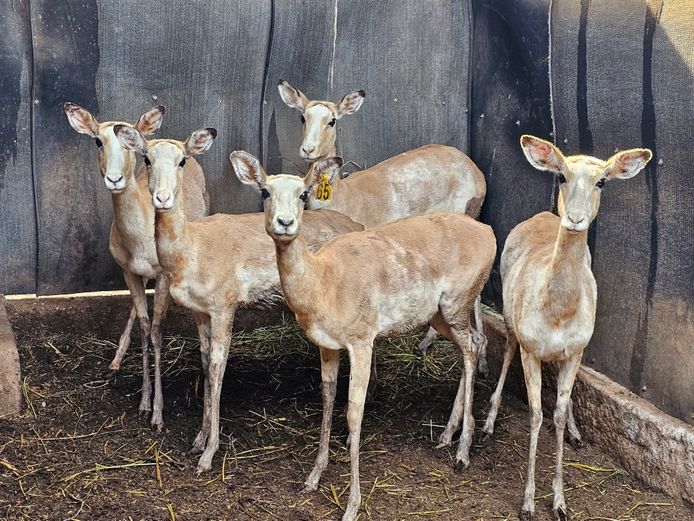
80,451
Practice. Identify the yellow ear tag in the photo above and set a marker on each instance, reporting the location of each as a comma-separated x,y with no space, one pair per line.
324,192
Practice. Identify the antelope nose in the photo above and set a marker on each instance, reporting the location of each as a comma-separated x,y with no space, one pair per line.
162,198
115,181
285,221
576,219
307,151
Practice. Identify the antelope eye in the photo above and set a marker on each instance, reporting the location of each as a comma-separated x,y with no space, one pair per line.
264,193
182,163
304,196
303,119
332,122
147,161
600,183
561,178
98,142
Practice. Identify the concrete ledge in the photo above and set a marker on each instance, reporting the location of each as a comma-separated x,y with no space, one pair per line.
10,374
651,445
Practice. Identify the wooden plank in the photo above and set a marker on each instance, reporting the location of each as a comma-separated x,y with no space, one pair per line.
203,61
18,222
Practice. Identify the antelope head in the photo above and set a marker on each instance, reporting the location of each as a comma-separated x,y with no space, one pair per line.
117,165
165,159
319,119
284,195
582,178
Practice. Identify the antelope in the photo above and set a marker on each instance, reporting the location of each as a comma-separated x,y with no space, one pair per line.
214,265
550,293
378,282
131,240
391,189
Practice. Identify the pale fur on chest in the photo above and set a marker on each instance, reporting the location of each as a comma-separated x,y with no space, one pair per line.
140,256
554,335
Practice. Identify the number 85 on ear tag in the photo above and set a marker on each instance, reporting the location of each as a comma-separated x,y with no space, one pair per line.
324,192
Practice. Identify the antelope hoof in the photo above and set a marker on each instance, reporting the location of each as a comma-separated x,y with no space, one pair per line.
198,444
560,514
308,488
525,515
575,441
445,440
485,437
460,466
351,512
157,425
111,372
204,464
144,412
483,369
421,349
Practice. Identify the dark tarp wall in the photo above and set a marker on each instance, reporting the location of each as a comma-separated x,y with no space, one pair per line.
204,62
621,76
629,82
411,58
17,209
509,97
210,64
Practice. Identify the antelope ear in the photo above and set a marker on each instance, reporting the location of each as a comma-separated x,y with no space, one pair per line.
350,103
81,119
248,168
199,141
130,138
628,163
291,96
329,165
542,154
150,121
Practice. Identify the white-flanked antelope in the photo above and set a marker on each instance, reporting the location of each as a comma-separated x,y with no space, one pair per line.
214,265
431,178
382,281
550,293
131,241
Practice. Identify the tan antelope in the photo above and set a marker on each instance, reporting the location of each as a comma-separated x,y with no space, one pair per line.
550,292
393,188
379,282
131,241
215,265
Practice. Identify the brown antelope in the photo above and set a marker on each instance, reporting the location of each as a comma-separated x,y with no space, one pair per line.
550,292
214,265
132,236
379,282
391,189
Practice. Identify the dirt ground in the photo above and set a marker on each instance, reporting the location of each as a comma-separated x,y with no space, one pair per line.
80,451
